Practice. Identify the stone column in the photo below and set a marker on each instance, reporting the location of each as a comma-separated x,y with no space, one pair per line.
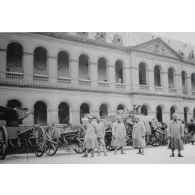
178,83
2,63
189,85
75,116
94,74
111,76
127,75
74,69
165,84
28,66
135,78
150,75
52,69
52,116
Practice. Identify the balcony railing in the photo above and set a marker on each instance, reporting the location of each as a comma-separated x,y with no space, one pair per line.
103,84
143,87
120,85
64,80
185,91
84,82
37,77
14,75
158,88
172,90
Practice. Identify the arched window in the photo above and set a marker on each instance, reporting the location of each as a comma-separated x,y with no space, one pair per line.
119,72
142,74
14,104
40,113
184,77
157,76
63,113
159,113
171,78
193,81
144,110
172,110
63,64
185,114
103,110
12,116
40,61
84,109
84,67
120,107
102,70
14,57
194,113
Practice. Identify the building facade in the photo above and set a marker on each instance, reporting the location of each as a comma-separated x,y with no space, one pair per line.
62,76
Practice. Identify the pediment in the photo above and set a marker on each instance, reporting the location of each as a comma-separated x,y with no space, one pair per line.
158,47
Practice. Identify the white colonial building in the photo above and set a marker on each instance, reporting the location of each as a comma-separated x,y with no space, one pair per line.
61,76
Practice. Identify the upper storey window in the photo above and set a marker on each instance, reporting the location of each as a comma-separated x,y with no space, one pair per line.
157,76
119,72
63,64
84,67
40,61
142,73
171,79
184,78
14,57
193,81
102,70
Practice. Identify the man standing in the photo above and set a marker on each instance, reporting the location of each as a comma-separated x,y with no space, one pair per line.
191,129
100,132
118,135
175,133
138,134
90,139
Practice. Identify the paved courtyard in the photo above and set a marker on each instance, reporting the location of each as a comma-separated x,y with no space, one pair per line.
158,155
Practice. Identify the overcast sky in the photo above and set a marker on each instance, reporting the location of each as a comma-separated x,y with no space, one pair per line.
188,37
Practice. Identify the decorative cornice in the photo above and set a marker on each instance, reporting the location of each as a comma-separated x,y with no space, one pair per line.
76,89
81,39
88,41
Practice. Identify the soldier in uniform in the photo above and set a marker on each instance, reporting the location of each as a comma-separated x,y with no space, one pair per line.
90,140
175,134
100,136
138,134
118,135
191,129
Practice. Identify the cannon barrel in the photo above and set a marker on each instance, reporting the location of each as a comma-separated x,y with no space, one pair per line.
13,114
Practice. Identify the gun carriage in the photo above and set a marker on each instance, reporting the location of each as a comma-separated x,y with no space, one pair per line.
155,132
18,138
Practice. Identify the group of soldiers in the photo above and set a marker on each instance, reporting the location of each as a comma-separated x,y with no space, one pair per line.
95,134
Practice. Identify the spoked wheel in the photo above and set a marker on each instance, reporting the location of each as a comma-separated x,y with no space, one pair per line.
52,140
40,141
155,140
3,142
109,147
79,148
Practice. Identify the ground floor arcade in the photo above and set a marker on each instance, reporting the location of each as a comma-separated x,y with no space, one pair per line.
54,106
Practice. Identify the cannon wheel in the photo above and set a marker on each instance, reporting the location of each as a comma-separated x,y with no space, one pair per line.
155,140
3,142
52,140
79,147
40,141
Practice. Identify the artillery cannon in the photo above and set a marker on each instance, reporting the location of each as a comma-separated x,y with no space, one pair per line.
18,138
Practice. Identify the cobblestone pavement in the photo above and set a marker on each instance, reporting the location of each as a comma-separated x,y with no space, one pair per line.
153,155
